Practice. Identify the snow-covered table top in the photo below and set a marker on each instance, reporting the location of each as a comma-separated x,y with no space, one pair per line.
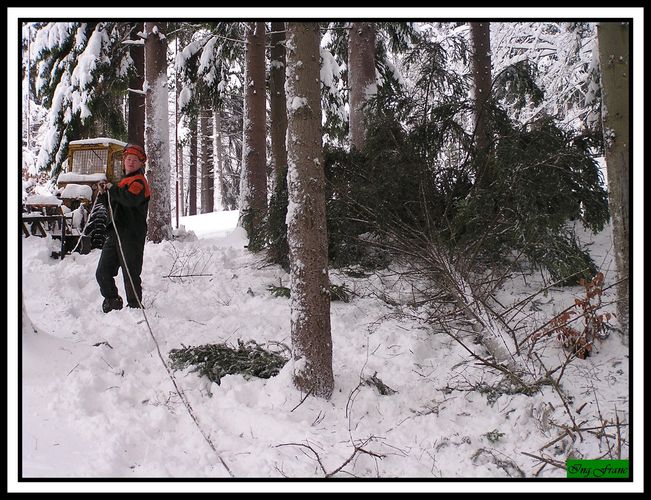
42,200
72,177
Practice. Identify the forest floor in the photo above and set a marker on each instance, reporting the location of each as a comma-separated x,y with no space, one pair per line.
409,402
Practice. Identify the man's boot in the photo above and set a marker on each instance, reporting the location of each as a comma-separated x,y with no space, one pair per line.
111,304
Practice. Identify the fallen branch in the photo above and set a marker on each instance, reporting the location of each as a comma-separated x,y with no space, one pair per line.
555,463
497,366
303,400
554,441
184,275
356,451
558,390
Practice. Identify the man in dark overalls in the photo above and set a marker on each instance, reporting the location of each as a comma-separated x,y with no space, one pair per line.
129,201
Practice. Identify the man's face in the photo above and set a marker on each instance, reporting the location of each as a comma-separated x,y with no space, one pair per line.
131,163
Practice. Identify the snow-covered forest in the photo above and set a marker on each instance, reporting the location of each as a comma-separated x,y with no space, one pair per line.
376,249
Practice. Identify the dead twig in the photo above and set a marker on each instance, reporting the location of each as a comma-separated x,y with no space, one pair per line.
103,343
619,436
497,366
558,390
73,369
184,275
554,441
302,400
358,449
318,458
550,461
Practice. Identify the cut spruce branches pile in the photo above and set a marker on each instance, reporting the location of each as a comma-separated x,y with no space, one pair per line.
215,361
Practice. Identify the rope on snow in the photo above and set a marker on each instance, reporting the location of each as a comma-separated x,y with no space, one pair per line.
177,388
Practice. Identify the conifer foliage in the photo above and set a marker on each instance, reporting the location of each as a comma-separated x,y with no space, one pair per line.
83,71
424,177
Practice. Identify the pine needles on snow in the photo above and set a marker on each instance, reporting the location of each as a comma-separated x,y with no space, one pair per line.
217,360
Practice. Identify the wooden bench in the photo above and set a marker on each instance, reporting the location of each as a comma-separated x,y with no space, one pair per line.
44,218
37,228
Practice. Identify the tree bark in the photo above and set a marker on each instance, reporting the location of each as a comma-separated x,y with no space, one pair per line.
278,106
481,68
178,181
136,124
207,167
157,133
361,77
181,174
278,250
192,181
614,47
253,180
306,221
235,151
219,150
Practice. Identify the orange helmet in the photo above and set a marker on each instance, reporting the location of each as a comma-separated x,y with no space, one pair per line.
134,149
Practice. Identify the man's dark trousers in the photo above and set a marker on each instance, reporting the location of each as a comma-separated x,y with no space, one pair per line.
111,260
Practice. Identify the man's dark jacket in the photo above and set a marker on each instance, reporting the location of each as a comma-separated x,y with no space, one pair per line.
130,202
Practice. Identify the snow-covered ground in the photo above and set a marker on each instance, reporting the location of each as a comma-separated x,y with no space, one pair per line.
97,402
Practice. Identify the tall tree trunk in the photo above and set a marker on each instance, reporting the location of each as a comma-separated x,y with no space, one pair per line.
157,132
219,150
481,69
207,169
361,77
279,250
136,124
178,163
192,181
306,221
182,205
614,47
182,40
278,106
235,151
253,180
